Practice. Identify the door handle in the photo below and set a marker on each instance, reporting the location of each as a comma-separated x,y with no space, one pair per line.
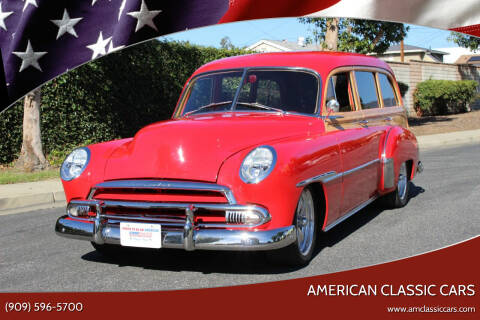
363,122
388,119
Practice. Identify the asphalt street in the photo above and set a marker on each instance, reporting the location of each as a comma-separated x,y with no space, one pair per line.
443,210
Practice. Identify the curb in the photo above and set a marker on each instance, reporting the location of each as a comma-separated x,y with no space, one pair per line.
31,202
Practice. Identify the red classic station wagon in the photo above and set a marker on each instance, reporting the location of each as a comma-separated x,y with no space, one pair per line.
263,152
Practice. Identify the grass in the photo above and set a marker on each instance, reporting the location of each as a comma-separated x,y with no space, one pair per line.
11,175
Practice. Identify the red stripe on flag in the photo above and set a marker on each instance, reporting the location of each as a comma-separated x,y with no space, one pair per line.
254,9
471,30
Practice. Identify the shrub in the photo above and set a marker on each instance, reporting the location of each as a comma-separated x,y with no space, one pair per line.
440,97
403,88
109,98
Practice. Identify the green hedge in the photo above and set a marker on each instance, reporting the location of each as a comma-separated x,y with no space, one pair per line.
109,98
440,97
403,88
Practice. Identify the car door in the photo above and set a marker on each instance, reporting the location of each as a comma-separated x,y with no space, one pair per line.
354,140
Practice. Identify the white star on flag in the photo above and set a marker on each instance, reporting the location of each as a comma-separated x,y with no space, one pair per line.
29,57
66,25
32,2
3,16
145,17
113,49
98,48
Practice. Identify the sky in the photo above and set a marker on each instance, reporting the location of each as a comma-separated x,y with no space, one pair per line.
243,34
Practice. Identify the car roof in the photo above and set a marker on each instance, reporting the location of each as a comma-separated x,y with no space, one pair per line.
319,61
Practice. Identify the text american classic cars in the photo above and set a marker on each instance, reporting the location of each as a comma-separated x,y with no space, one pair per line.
263,152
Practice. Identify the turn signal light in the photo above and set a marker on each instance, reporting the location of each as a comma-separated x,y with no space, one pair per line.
242,217
76,210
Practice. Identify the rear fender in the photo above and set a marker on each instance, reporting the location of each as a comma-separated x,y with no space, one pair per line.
400,145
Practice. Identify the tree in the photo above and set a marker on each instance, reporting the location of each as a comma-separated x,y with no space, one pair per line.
31,155
465,41
352,35
226,43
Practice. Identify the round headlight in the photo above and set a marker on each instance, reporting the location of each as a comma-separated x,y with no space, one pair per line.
74,164
258,164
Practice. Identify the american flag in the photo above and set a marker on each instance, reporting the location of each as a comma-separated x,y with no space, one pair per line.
41,39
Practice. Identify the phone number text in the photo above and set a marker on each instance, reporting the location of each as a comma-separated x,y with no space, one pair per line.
26,306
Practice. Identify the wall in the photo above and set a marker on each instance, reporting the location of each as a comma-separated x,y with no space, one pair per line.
413,72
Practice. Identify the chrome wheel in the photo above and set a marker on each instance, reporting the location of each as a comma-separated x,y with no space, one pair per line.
402,182
305,222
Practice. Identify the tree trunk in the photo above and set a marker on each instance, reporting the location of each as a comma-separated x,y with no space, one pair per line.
31,156
331,36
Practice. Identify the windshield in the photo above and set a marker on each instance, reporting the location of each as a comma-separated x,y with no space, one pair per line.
260,90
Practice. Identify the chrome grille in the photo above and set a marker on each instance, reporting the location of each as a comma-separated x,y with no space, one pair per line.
145,186
170,214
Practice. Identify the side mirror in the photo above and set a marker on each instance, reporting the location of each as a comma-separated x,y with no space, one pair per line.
333,106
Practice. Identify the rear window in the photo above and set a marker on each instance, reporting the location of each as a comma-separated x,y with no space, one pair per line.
388,94
366,89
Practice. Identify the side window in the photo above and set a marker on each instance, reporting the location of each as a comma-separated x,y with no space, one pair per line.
201,94
388,94
367,90
339,88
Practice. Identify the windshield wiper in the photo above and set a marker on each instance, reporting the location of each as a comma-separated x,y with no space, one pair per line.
261,106
211,105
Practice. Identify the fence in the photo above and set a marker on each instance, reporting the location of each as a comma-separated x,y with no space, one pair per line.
413,72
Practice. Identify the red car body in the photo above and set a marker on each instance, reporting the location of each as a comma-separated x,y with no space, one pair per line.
346,159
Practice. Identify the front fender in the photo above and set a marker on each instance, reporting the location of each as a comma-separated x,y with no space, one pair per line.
94,172
297,160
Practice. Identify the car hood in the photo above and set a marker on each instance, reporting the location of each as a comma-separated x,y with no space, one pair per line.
195,148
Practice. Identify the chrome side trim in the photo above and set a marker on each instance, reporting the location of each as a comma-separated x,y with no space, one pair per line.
363,166
332,175
322,178
349,214
388,173
165,185
384,153
212,239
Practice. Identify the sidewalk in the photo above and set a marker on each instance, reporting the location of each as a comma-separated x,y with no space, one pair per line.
448,139
27,196
22,197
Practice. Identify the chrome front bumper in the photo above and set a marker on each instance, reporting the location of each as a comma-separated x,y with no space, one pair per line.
183,233
188,238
